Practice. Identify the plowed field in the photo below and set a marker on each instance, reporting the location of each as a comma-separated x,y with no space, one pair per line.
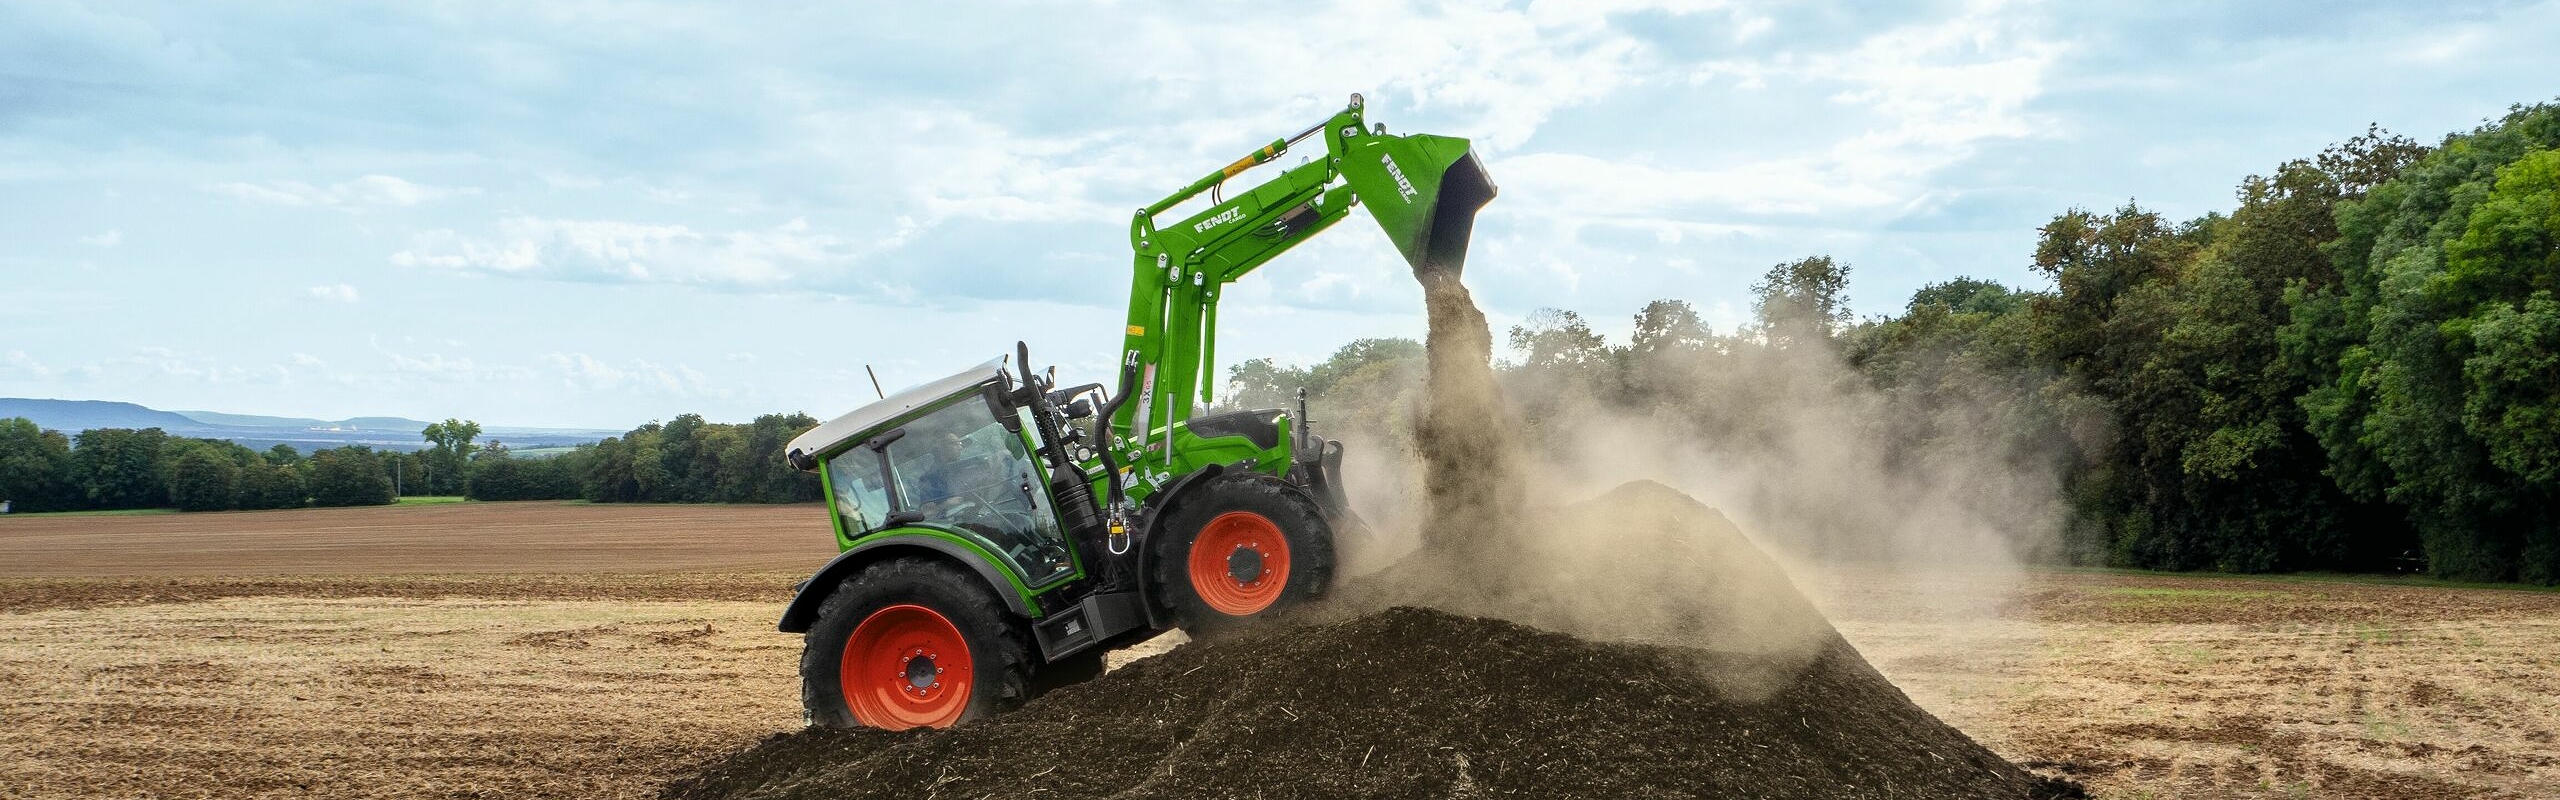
548,650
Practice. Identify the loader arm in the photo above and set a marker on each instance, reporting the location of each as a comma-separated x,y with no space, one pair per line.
1423,190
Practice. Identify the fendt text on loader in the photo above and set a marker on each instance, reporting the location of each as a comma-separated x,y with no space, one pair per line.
999,533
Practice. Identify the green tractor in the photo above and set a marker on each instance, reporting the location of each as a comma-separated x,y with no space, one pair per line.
999,533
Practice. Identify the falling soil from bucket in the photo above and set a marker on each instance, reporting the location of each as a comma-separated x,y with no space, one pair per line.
1465,435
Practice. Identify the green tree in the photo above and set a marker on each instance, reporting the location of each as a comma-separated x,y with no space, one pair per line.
2416,352
202,480
448,457
1359,355
1265,383
1802,302
36,468
272,486
1555,339
120,468
349,476
765,476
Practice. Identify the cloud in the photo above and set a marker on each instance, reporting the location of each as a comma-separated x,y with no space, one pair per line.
111,238
160,365
582,371
1499,72
436,367
614,250
16,365
338,293
365,191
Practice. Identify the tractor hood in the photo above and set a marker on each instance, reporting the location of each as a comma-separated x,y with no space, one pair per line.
837,434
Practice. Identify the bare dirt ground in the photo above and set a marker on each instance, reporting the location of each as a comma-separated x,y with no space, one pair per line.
530,537
542,650
2153,686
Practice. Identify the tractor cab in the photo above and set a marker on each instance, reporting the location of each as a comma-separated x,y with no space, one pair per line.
947,459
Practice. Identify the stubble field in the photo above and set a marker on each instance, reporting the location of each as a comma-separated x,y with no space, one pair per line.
557,650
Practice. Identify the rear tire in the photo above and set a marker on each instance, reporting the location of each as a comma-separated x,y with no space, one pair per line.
910,643
1239,548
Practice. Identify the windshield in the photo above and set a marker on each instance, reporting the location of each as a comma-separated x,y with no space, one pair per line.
959,469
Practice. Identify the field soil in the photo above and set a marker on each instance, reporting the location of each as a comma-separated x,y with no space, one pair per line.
528,537
2157,686
488,662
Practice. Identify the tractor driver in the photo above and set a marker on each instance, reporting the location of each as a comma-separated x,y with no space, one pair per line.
952,472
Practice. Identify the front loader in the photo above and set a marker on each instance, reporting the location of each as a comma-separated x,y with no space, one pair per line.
998,532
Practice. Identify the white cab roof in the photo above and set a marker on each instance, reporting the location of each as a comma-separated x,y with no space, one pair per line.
863,421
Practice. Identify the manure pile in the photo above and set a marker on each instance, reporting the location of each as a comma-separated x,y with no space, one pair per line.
1408,702
1372,696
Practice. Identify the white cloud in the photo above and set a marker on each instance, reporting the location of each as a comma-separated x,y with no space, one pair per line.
582,371
632,251
163,364
364,191
308,360
1502,71
1912,102
337,293
439,368
111,238
16,365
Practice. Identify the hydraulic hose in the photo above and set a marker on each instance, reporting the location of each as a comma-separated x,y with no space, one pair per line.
1102,434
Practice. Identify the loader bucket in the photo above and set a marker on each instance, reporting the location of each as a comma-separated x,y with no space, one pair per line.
1424,190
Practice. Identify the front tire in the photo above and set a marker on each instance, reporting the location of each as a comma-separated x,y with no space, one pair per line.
912,643
1239,548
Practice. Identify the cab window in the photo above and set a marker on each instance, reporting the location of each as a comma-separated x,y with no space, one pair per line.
960,469
862,489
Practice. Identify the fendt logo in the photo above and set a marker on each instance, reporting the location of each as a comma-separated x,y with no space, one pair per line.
1224,217
1403,187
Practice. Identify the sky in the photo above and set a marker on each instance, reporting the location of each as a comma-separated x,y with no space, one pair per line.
591,214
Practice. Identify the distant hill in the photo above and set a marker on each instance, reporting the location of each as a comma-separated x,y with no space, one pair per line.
250,420
261,432
81,415
400,424
381,424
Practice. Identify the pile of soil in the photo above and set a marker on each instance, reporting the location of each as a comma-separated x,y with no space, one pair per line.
1409,702
1692,667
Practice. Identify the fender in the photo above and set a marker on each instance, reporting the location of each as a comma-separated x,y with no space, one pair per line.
803,611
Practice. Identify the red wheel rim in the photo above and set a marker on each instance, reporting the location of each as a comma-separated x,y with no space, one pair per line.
906,667
1239,563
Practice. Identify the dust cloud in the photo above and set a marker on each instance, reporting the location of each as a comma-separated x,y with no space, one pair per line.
1840,524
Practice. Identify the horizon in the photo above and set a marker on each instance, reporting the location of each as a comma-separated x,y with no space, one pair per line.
590,218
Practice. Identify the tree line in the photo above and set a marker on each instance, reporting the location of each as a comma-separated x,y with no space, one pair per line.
687,460
2356,367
